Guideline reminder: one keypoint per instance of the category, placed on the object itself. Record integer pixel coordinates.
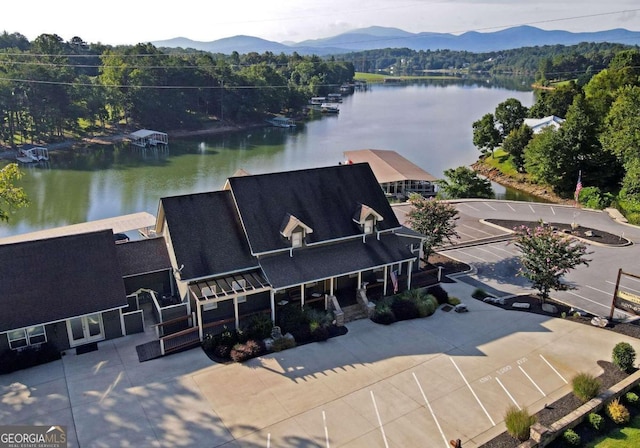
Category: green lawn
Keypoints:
(621, 437)
(375, 77)
(500, 161)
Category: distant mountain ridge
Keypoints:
(377, 37)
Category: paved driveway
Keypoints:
(415, 383)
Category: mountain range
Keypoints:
(376, 37)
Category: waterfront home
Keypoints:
(397, 176)
(537, 125)
(307, 237)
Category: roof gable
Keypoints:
(57, 278)
(143, 256)
(206, 234)
(324, 199)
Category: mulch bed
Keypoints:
(585, 233)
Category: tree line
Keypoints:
(598, 143)
(51, 89)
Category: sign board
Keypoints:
(628, 302)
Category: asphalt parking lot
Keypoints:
(415, 383)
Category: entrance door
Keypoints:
(85, 329)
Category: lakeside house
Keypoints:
(537, 125)
(315, 237)
(397, 176)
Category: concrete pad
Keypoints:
(20, 401)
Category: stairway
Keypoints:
(353, 312)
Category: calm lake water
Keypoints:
(428, 123)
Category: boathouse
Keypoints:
(146, 138)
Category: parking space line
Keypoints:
(512, 209)
(508, 394)
(532, 382)
(466, 234)
(490, 206)
(487, 251)
(384, 436)
(472, 391)
(609, 293)
(553, 368)
(589, 300)
(472, 208)
(626, 289)
(503, 250)
(431, 410)
(470, 255)
(552, 210)
(531, 207)
(326, 430)
(478, 230)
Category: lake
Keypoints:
(429, 123)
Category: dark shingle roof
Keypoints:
(143, 256)
(58, 278)
(206, 234)
(325, 199)
(332, 260)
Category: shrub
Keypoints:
(319, 332)
(432, 304)
(454, 301)
(439, 293)
(248, 350)
(518, 422)
(585, 386)
(283, 344)
(383, 314)
(291, 317)
(479, 294)
(404, 309)
(13, 360)
(259, 326)
(618, 412)
(571, 437)
(596, 421)
(222, 351)
(631, 398)
(624, 356)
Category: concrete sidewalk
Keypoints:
(413, 383)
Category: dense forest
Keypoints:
(51, 89)
(598, 143)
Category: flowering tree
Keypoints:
(546, 256)
(434, 219)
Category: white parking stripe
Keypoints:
(489, 205)
(446, 444)
(469, 255)
(609, 293)
(384, 436)
(553, 368)
(474, 394)
(552, 210)
(589, 300)
(466, 234)
(532, 382)
(326, 430)
(478, 230)
(472, 208)
(508, 394)
(509, 205)
(626, 289)
(531, 207)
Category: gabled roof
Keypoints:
(325, 199)
(538, 124)
(143, 256)
(389, 166)
(206, 234)
(58, 278)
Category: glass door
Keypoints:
(85, 329)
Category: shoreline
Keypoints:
(7, 153)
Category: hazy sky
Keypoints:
(133, 21)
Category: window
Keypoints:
(210, 306)
(296, 239)
(27, 336)
(239, 286)
(368, 226)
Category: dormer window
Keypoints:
(367, 218)
(294, 230)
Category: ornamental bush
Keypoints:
(518, 422)
(404, 309)
(585, 386)
(439, 293)
(596, 421)
(624, 356)
(571, 437)
(631, 398)
(383, 314)
(248, 350)
(618, 412)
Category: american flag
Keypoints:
(578, 185)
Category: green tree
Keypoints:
(554, 102)
(621, 135)
(462, 182)
(546, 256)
(510, 114)
(11, 197)
(486, 136)
(515, 145)
(436, 220)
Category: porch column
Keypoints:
(200, 323)
(331, 286)
(272, 295)
(409, 274)
(302, 296)
(171, 282)
(386, 274)
(235, 312)
(359, 280)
